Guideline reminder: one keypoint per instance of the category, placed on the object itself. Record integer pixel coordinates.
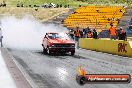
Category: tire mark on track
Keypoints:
(70, 63)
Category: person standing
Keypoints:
(81, 34)
(77, 34)
(71, 32)
(95, 34)
(122, 34)
(88, 29)
(1, 37)
(112, 32)
(89, 34)
(84, 33)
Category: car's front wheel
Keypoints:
(72, 53)
(48, 51)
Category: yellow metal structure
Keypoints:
(98, 17)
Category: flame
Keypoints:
(81, 71)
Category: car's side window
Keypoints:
(46, 36)
(50, 36)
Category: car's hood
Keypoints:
(61, 40)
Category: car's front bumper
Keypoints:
(62, 49)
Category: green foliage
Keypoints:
(72, 3)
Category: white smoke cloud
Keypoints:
(25, 33)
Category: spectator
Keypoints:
(1, 37)
(30, 5)
(68, 6)
(71, 33)
(118, 20)
(60, 5)
(97, 9)
(112, 32)
(89, 34)
(65, 6)
(57, 6)
(108, 19)
(80, 5)
(95, 35)
(22, 5)
(84, 33)
(112, 19)
(50, 5)
(36, 9)
(111, 23)
(18, 5)
(122, 35)
(77, 34)
(81, 34)
(120, 10)
(88, 29)
(4, 4)
(34, 5)
(62, 21)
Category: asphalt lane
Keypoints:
(60, 71)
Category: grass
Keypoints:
(41, 14)
(40, 2)
(72, 3)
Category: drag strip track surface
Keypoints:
(60, 71)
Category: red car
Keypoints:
(58, 43)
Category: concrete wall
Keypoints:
(123, 48)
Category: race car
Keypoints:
(58, 43)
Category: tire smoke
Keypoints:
(25, 33)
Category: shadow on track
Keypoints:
(62, 55)
(54, 54)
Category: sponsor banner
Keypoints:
(83, 78)
(103, 78)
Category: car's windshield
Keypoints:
(58, 35)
